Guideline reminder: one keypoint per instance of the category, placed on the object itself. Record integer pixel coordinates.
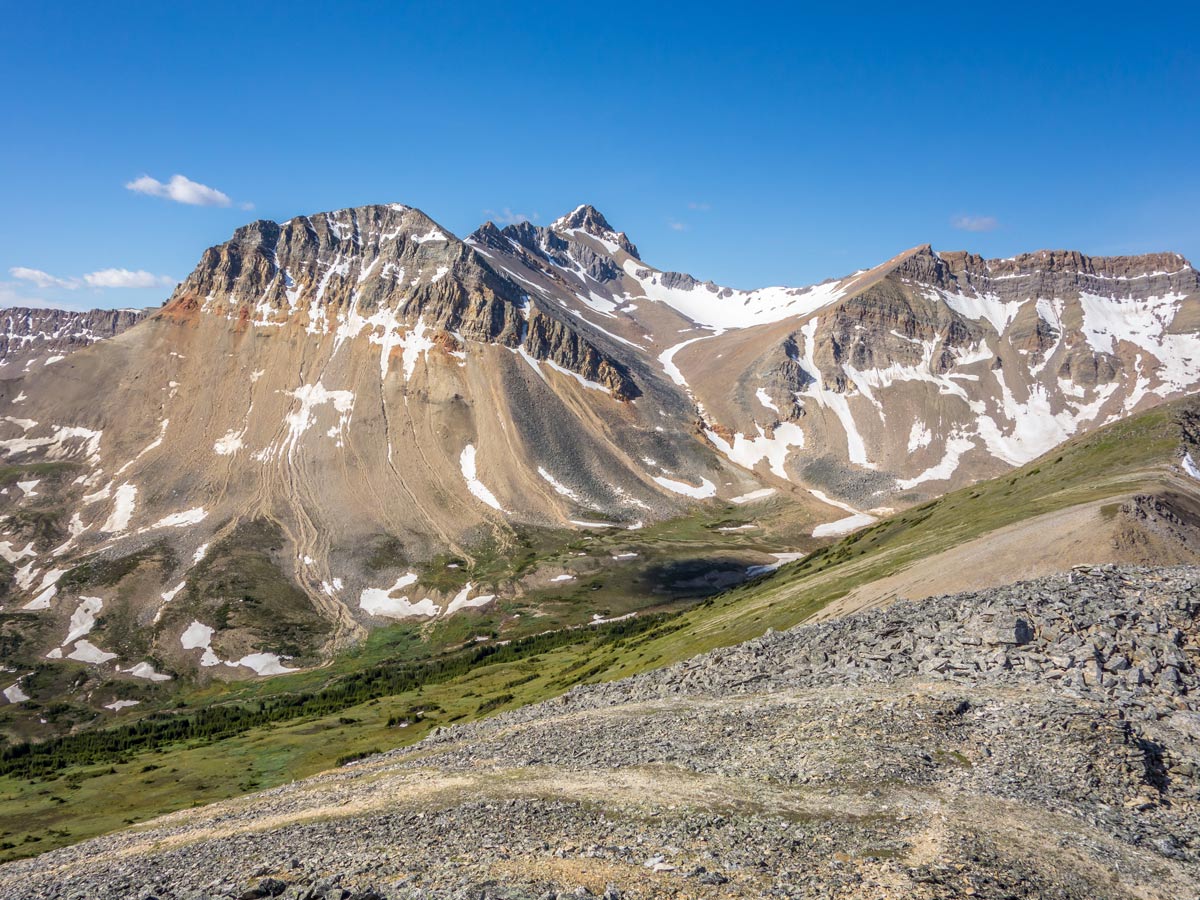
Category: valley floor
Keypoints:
(1036, 740)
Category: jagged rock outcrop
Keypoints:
(551, 339)
(30, 337)
(315, 270)
(589, 220)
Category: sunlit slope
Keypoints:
(374, 700)
(1136, 456)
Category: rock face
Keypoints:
(362, 378)
(1030, 741)
(375, 269)
(33, 337)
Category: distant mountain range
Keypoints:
(32, 337)
(346, 400)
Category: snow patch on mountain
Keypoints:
(558, 485)
(667, 359)
(856, 448)
(1036, 427)
(230, 443)
(187, 517)
(124, 501)
(956, 446)
(705, 489)
(47, 590)
(198, 636)
(765, 399)
(590, 385)
(982, 306)
(14, 693)
(8, 554)
(843, 526)
(464, 600)
(153, 445)
(1108, 321)
(146, 671)
(760, 494)
(1190, 466)
(57, 444)
(263, 664)
(310, 398)
(86, 651)
(380, 602)
(83, 620)
(466, 462)
(749, 452)
(725, 308)
(919, 436)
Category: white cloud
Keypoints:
(676, 225)
(699, 207)
(103, 278)
(181, 189)
(123, 278)
(975, 223)
(507, 217)
(43, 279)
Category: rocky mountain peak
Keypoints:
(586, 217)
(591, 221)
(1063, 262)
(922, 264)
(320, 271)
(362, 270)
(486, 231)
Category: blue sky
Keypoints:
(754, 144)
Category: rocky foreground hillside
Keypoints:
(1040, 740)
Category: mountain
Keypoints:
(33, 337)
(355, 418)
(892, 384)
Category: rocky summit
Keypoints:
(1038, 740)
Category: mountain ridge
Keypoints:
(33, 336)
(358, 379)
